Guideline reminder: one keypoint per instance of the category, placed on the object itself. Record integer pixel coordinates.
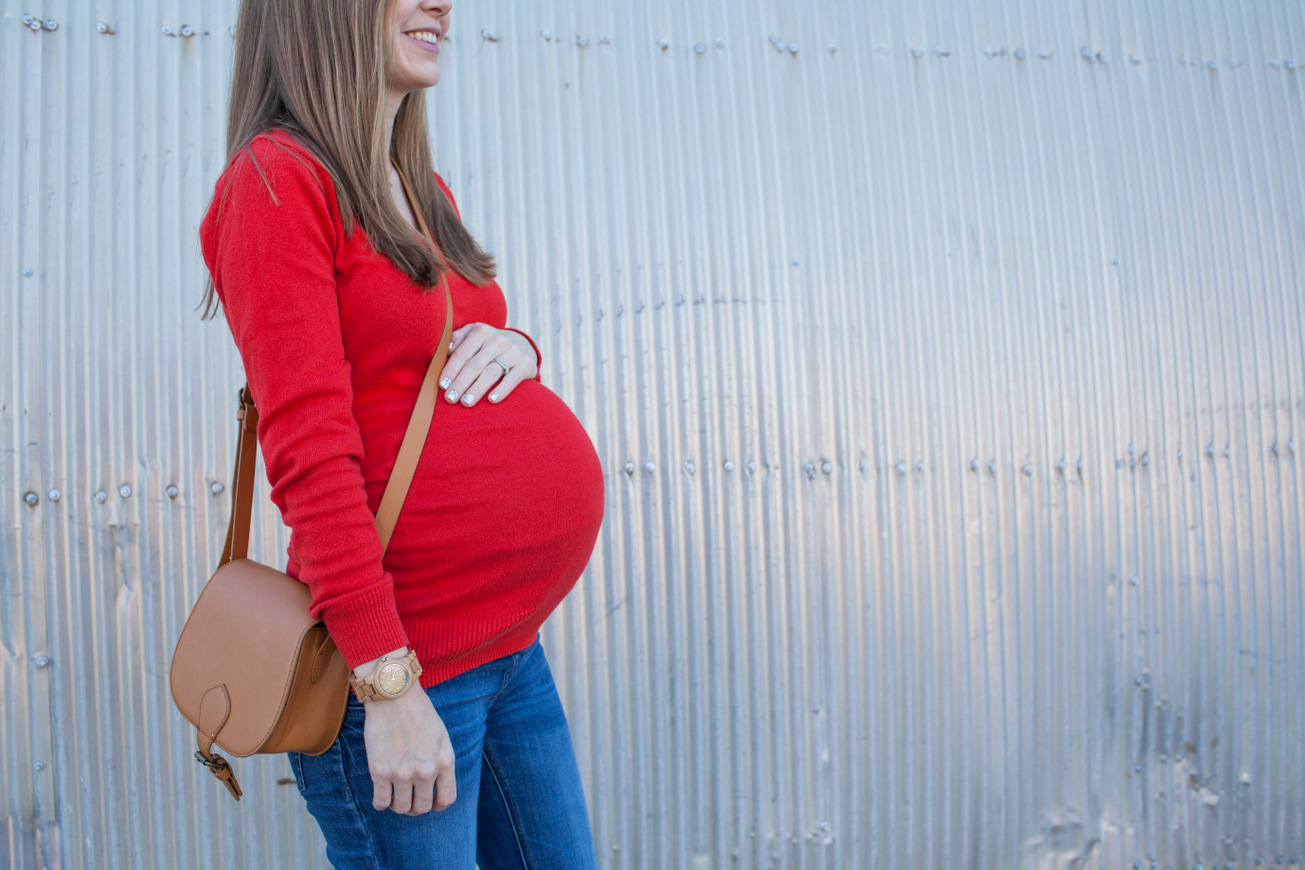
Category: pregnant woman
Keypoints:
(454, 749)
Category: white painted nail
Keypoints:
(451, 395)
(468, 399)
(444, 384)
(493, 397)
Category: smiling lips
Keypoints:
(429, 37)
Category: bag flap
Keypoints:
(244, 636)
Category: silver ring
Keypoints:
(504, 366)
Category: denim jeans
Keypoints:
(519, 805)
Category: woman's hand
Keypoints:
(486, 362)
(409, 754)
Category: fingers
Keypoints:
(472, 371)
(384, 793)
(446, 785)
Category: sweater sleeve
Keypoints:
(272, 256)
(539, 355)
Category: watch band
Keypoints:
(366, 688)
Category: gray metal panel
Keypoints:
(955, 350)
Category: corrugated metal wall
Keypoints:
(944, 358)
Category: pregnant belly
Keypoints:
(504, 496)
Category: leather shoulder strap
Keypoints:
(405, 466)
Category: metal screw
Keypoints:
(1227, 454)
(172, 491)
(629, 468)
(582, 41)
(792, 48)
(810, 469)
(1134, 59)
(690, 468)
(1209, 451)
(1132, 451)
(39, 766)
(729, 465)
(752, 467)
(604, 39)
(216, 487)
(797, 263)
(1060, 465)
(1086, 53)
(865, 467)
(720, 42)
(1132, 581)
(1027, 469)
(831, 48)
(827, 468)
(1043, 54)
(992, 468)
(124, 491)
(166, 30)
(42, 661)
(101, 496)
(901, 468)
(700, 48)
(34, 24)
(27, 20)
(51, 24)
(1146, 459)
(824, 826)
(1212, 64)
(32, 499)
(1182, 60)
(882, 49)
(1019, 54)
(916, 52)
(1180, 456)
(1079, 465)
(1291, 446)
(486, 35)
(974, 465)
(232, 30)
(102, 27)
(663, 44)
(919, 466)
(940, 51)
(54, 495)
(546, 35)
(27, 273)
(1102, 57)
(817, 709)
(1291, 64)
(187, 30)
(650, 466)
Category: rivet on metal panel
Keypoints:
(865, 466)
(650, 466)
(992, 468)
(629, 468)
(882, 49)
(1115, 261)
(1209, 451)
(1132, 581)
(604, 39)
(827, 468)
(817, 709)
(167, 31)
(39, 766)
(34, 24)
(700, 48)
(42, 661)
(1027, 469)
(1227, 454)
(1043, 54)
(1180, 456)
(105, 28)
(797, 263)
(1086, 53)
(1137, 681)
(792, 48)
(690, 469)
(1078, 466)
(232, 30)
(941, 52)
(27, 273)
(1146, 459)
(582, 41)
(216, 487)
(1019, 54)
(663, 44)
(901, 468)
(824, 826)
(831, 48)
(488, 35)
(1132, 463)
(1061, 465)
(1273, 64)
(1182, 60)
(720, 42)
(729, 464)
(31, 498)
(916, 52)
(752, 468)
(1137, 768)
(172, 491)
(1134, 59)
(101, 496)
(1137, 865)
(810, 469)
(1132, 451)
(27, 19)
(919, 466)
(546, 35)
(1276, 451)
(1119, 463)
(974, 465)
(51, 24)
(124, 491)
(54, 495)
(1102, 57)
(187, 31)
(1291, 446)
(1290, 63)
(1212, 64)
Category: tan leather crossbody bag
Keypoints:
(252, 671)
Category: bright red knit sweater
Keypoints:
(507, 499)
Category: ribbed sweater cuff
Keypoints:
(539, 356)
(365, 625)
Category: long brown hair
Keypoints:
(316, 69)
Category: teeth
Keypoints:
(424, 36)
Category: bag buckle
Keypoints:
(217, 765)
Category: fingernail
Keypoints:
(451, 395)
(444, 384)
(468, 399)
(493, 397)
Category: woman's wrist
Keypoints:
(364, 670)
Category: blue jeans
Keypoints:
(520, 804)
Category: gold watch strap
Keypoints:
(366, 689)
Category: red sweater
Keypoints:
(507, 499)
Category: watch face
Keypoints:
(392, 679)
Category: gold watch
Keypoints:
(390, 680)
